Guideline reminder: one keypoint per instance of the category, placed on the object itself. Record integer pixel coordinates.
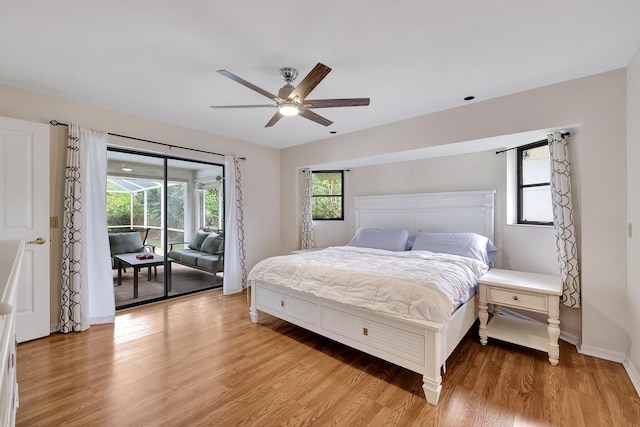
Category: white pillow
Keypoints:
(378, 238)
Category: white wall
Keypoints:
(633, 214)
(596, 103)
(260, 172)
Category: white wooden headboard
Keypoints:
(463, 211)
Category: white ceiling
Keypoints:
(158, 59)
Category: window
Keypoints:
(534, 184)
(328, 200)
(210, 204)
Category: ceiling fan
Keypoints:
(291, 100)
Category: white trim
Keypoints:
(601, 353)
(633, 374)
(570, 338)
(102, 320)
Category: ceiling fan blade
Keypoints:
(329, 103)
(277, 116)
(314, 117)
(244, 106)
(250, 85)
(309, 82)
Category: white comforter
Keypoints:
(413, 284)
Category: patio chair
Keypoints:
(130, 241)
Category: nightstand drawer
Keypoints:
(517, 299)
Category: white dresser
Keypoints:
(10, 260)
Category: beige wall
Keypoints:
(633, 213)
(260, 172)
(596, 104)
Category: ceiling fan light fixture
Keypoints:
(291, 101)
(288, 109)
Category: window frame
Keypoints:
(341, 195)
(521, 186)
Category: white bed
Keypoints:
(418, 345)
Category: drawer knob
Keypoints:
(515, 297)
(282, 303)
(365, 331)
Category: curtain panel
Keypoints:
(567, 248)
(235, 269)
(307, 213)
(87, 295)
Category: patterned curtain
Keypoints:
(235, 269)
(71, 314)
(86, 282)
(563, 219)
(307, 214)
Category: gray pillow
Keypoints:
(212, 243)
(378, 238)
(196, 241)
(125, 243)
(470, 245)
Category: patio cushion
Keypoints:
(191, 257)
(212, 243)
(197, 239)
(210, 263)
(125, 243)
(177, 253)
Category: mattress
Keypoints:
(411, 284)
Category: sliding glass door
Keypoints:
(160, 212)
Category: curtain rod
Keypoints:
(57, 123)
(542, 140)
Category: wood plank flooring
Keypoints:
(199, 361)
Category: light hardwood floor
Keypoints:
(199, 361)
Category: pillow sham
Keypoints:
(378, 238)
(470, 245)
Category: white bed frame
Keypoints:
(420, 346)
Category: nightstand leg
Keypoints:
(554, 333)
(484, 317)
(553, 330)
(496, 310)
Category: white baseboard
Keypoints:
(102, 320)
(53, 327)
(570, 338)
(633, 374)
(602, 353)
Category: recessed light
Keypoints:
(469, 98)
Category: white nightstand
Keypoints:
(526, 291)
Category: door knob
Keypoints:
(38, 241)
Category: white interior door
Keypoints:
(24, 214)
